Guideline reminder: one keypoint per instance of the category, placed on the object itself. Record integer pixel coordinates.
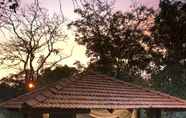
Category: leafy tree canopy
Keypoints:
(52, 75)
(169, 34)
(170, 31)
(115, 41)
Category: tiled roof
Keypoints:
(95, 91)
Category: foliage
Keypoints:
(10, 91)
(171, 80)
(12, 87)
(169, 33)
(60, 72)
(33, 38)
(114, 40)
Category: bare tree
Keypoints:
(34, 41)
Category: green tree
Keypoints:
(114, 40)
(60, 72)
(8, 91)
(169, 34)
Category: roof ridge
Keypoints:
(154, 91)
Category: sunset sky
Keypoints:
(67, 7)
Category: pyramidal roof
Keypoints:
(94, 91)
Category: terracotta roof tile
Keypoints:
(95, 91)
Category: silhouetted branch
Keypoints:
(34, 35)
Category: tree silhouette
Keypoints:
(60, 72)
(33, 41)
(6, 8)
(114, 40)
(169, 33)
(8, 5)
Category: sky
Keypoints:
(68, 8)
(67, 5)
